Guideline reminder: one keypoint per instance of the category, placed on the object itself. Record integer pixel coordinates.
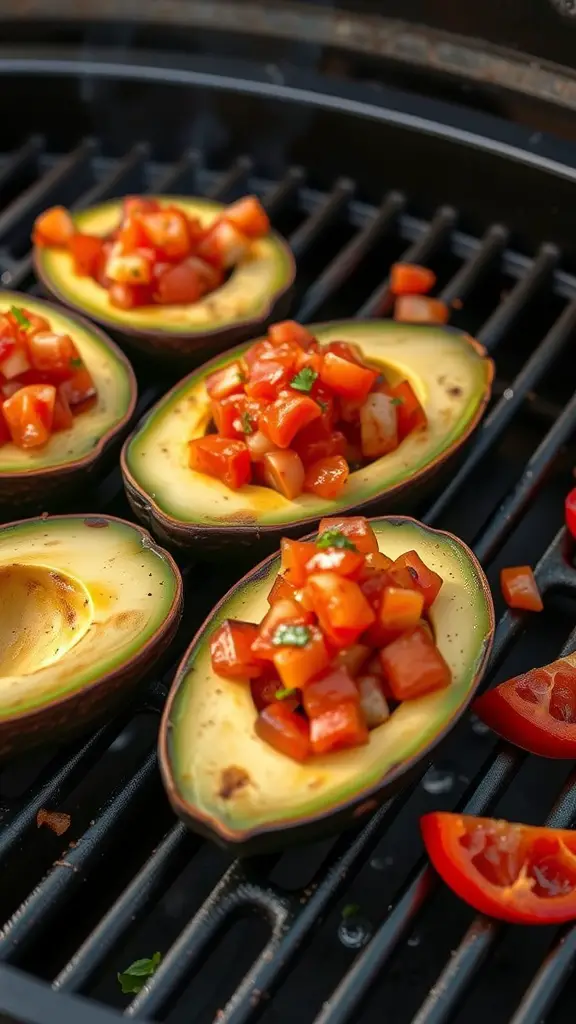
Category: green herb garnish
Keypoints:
(76, 363)
(288, 635)
(335, 539)
(304, 379)
(397, 401)
(323, 405)
(247, 427)
(284, 693)
(350, 910)
(20, 317)
(241, 376)
(134, 978)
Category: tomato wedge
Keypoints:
(536, 710)
(517, 873)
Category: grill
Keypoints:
(355, 928)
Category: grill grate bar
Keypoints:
(344, 264)
(548, 981)
(181, 175)
(32, 917)
(127, 909)
(21, 159)
(281, 194)
(498, 419)
(322, 217)
(422, 249)
(490, 248)
(527, 288)
(228, 184)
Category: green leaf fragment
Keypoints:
(133, 979)
(304, 379)
(288, 635)
(284, 693)
(20, 317)
(335, 539)
(247, 427)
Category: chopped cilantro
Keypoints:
(335, 539)
(134, 977)
(397, 401)
(285, 692)
(20, 317)
(288, 635)
(323, 405)
(241, 375)
(76, 363)
(247, 427)
(304, 379)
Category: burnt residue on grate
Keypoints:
(354, 928)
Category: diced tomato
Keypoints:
(86, 252)
(79, 388)
(353, 658)
(426, 580)
(284, 730)
(373, 703)
(284, 472)
(53, 227)
(356, 528)
(249, 216)
(317, 441)
(286, 416)
(409, 412)
(342, 610)
(290, 332)
(139, 204)
(378, 426)
(400, 609)
(570, 512)
(224, 382)
(228, 416)
(327, 691)
(28, 414)
(341, 727)
(297, 665)
(536, 710)
(129, 296)
(413, 665)
(55, 354)
(36, 324)
(295, 556)
(411, 279)
(418, 309)
(346, 378)
(62, 418)
(267, 378)
(522, 874)
(327, 477)
(345, 350)
(133, 268)
(181, 284)
(168, 232)
(14, 363)
(132, 235)
(223, 245)
(231, 650)
(376, 562)
(264, 689)
(281, 589)
(282, 612)
(5, 435)
(340, 560)
(520, 589)
(227, 460)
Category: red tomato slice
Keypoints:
(517, 873)
(520, 589)
(227, 460)
(231, 650)
(53, 227)
(411, 279)
(536, 710)
(418, 309)
(29, 413)
(249, 216)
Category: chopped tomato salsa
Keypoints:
(44, 383)
(307, 415)
(158, 255)
(345, 640)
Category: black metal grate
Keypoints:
(71, 914)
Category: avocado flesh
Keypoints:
(114, 386)
(208, 737)
(247, 293)
(448, 373)
(79, 598)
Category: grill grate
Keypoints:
(477, 269)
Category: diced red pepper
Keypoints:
(295, 556)
(346, 378)
(249, 216)
(86, 252)
(410, 414)
(411, 279)
(225, 459)
(413, 665)
(283, 472)
(333, 687)
(400, 609)
(426, 580)
(231, 650)
(297, 665)
(419, 309)
(227, 381)
(284, 730)
(520, 589)
(327, 477)
(356, 528)
(341, 727)
(342, 610)
(29, 413)
(286, 416)
(53, 227)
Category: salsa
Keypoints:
(44, 382)
(347, 638)
(298, 417)
(158, 255)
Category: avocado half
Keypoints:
(449, 371)
(226, 783)
(87, 606)
(256, 291)
(35, 475)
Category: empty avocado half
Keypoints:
(449, 372)
(228, 784)
(252, 295)
(87, 606)
(36, 475)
